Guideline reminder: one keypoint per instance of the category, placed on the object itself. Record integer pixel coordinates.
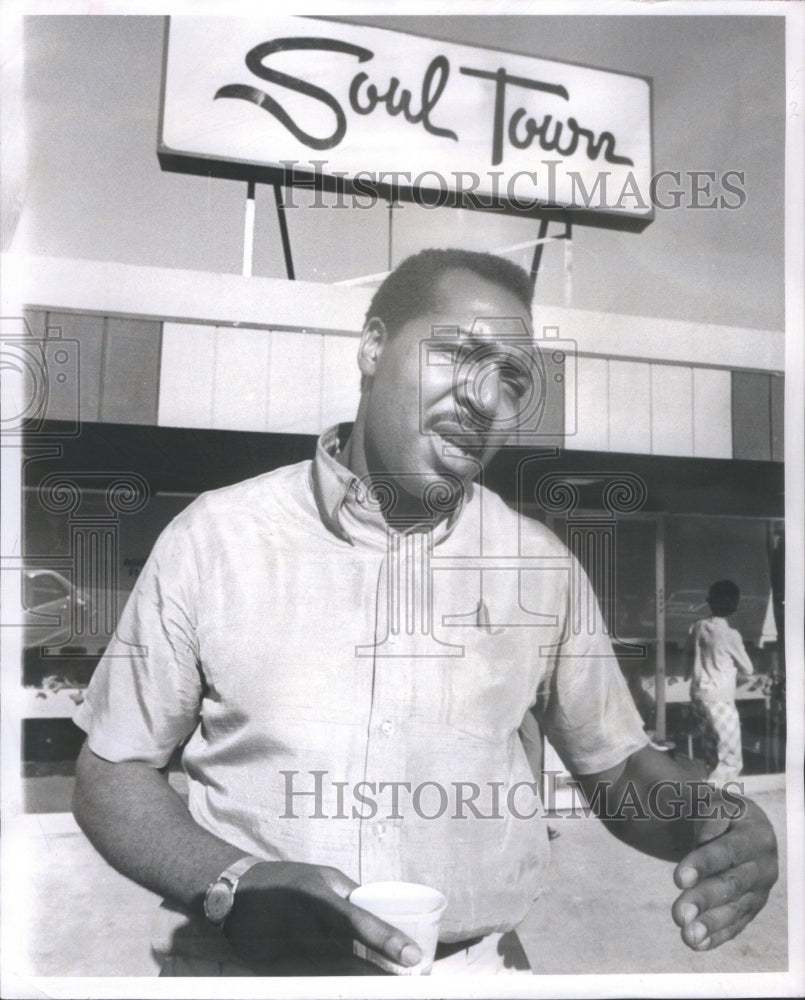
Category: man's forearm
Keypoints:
(142, 827)
(650, 802)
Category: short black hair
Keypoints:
(723, 597)
(408, 290)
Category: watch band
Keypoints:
(220, 895)
(235, 872)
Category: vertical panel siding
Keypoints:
(241, 384)
(294, 399)
(629, 407)
(712, 413)
(570, 416)
(591, 400)
(671, 410)
(83, 348)
(559, 367)
(777, 417)
(36, 320)
(340, 390)
(247, 379)
(751, 416)
(187, 375)
(33, 403)
(130, 373)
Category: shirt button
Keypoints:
(387, 728)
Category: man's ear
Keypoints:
(373, 340)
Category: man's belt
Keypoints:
(444, 949)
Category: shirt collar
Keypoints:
(340, 498)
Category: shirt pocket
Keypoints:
(490, 687)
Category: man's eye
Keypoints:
(515, 377)
(518, 387)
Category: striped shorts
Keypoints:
(721, 732)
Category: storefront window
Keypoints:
(675, 559)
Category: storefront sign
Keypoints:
(371, 111)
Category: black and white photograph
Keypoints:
(403, 491)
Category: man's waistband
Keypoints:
(444, 949)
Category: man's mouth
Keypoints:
(470, 445)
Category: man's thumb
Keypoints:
(709, 829)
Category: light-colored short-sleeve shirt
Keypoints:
(718, 652)
(351, 695)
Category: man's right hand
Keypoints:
(289, 908)
(142, 827)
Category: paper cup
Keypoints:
(414, 909)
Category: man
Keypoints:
(335, 638)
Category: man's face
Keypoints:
(443, 410)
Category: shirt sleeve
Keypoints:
(689, 652)
(144, 697)
(690, 641)
(739, 654)
(584, 703)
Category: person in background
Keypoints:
(715, 653)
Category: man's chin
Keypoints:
(432, 493)
(445, 492)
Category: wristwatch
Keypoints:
(220, 896)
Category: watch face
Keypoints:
(218, 902)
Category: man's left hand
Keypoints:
(726, 879)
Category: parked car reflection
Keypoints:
(57, 613)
